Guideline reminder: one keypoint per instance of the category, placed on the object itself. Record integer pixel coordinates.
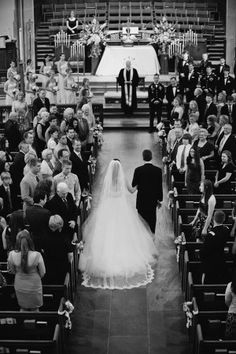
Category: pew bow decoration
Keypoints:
(189, 313)
(93, 163)
(68, 309)
(179, 241)
(80, 247)
(97, 133)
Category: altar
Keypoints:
(143, 58)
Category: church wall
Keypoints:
(230, 32)
(8, 18)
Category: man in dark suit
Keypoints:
(37, 217)
(227, 142)
(41, 101)
(209, 81)
(63, 204)
(210, 109)
(7, 193)
(17, 167)
(226, 82)
(80, 165)
(212, 252)
(183, 69)
(147, 180)
(156, 93)
(12, 131)
(203, 64)
(190, 82)
(219, 70)
(172, 91)
(201, 102)
(83, 129)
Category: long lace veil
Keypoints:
(114, 181)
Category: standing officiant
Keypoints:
(128, 79)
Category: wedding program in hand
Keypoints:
(119, 248)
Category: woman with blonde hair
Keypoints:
(28, 267)
(89, 116)
(47, 167)
(68, 114)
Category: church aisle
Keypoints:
(143, 320)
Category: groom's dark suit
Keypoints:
(148, 179)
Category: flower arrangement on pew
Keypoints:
(94, 35)
(179, 241)
(87, 199)
(68, 309)
(189, 312)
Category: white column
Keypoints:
(230, 32)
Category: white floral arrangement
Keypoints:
(35, 88)
(17, 77)
(189, 312)
(164, 32)
(75, 86)
(93, 34)
(97, 133)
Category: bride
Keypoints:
(118, 250)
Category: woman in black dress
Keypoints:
(202, 221)
(58, 252)
(224, 175)
(72, 24)
(195, 171)
(205, 148)
(40, 130)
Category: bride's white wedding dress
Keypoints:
(119, 249)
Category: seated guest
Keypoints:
(221, 105)
(62, 144)
(210, 109)
(47, 167)
(209, 81)
(219, 70)
(230, 301)
(28, 267)
(37, 217)
(63, 154)
(40, 102)
(212, 128)
(199, 97)
(194, 174)
(63, 204)
(171, 137)
(224, 175)
(53, 134)
(172, 152)
(70, 179)
(180, 166)
(68, 114)
(12, 131)
(193, 108)
(80, 165)
(172, 91)
(177, 110)
(83, 99)
(40, 131)
(83, 129)
(29, 183)
(58, 252)
(190, 82)
(206, 149)
(203, 218)
(8, 195)
(226, 82)
(17, 168)
(227, 142)
(52, 122)
(192, 123)
(204, 64)
(212, 252)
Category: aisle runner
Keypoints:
(143, 58)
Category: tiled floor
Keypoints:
(146, 320)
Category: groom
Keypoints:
(148, 181)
